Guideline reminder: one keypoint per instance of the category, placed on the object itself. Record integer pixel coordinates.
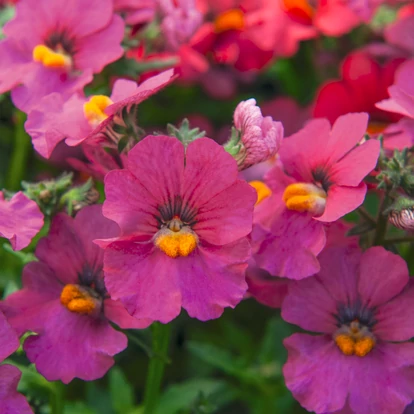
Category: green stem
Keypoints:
(58, 398)
(382, 223)
(160, 341)
(392, 240)
(364, 213)
(21, 151)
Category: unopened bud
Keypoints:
(401, 214)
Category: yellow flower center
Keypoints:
(51, 58)
(305, 197)
(176, 239)
(263, 191)
(229, 20)
(95, 107)
(354, 340)
(78, 299)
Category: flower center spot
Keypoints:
(51, 58)
(305, 197)
(354, 339)
(176, 239)
(95, 107)
(78, 300)
(229, 20)
(263, 191)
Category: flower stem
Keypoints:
(20, 154)
(58, 398)
(382, 223)
(160, 341)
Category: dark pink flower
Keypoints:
(20, 218)
(53, 43)
(321, 180)
(9, 342)
(360, 304)
(184, 217)
(78, 118)
(364, 82)
(402, 92)
(64, 301)
(259, 137)
(11, 402)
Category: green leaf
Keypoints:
(78, 407)
(190, 394)
(98, 399)
(122, 393)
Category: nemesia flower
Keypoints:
(184, 217)
(361, 361)
(10, 400)
(266, 289)
(321, 181)
(238, 35)
(179, 22)
(364, 83)
(401, 93)
(136, 11)
(259, 137)
(78, 118)
(20, 218)
(57, 45)
(401, 32)
(64, 301)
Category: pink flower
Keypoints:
(184, 217)
(259, 137)
(136, 11)
(64, 301)
(266, 289)
(52, 43)
(321, 181)
(20, 220)
(79, 118)
(360, 304)
(402, 92)
(364, 82)
(10, 400)
(401, 32)
(238, 35)
(180, 21)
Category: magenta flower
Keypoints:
(64, 301)
(11, 402)
(259, 137)
(180, 21)
(360, 304)
(402, 92)
(136, 11)
(321, 181)
(51, 44)
(184, 217)
(20, 218)
(78, 118)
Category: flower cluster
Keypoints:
(277, 203)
